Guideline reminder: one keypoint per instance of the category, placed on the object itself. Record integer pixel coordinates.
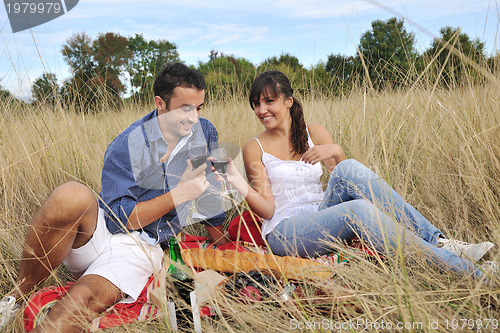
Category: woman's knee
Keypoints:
(354, 171)
(361, 209)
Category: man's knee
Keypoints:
(73, 193)
(89, 296)
(70, 201)
(94, 295)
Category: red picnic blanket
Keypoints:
(245, 233)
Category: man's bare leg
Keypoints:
(90, 295)
(67, 219)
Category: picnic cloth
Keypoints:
(244, 231)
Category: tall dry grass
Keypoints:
(440, 149)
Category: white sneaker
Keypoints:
(472, 252)
(490, 272)
(8, 310)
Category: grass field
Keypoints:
(440, 149)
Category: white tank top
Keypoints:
(296, 187)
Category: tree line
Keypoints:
(386, 57)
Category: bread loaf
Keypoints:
(230, 261)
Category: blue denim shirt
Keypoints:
(132, 172)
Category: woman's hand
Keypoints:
(320, 153)
(233, 177)
(324, 150)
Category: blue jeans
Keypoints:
(358, 203)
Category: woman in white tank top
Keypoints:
(283, 167)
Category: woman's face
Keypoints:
(273, 111)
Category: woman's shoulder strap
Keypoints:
(260, 145)
(309, 139)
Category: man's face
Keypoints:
(183, 112)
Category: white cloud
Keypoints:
(318, 9)
(225, 33)
(416, 9)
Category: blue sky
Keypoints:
(256, 29)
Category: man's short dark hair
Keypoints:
(175, 75)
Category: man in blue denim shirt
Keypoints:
(148, 186)
(134, 173)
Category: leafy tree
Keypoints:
(494, 64)
(110, 53)
(286, 59)
(82, 89)
(4, 94)
(97, 67)
(389, 52)
(9, 102)
(343, 71)
(451, 64)
(45, 88)
(147, 59)
(78, 53)
(340, 66)
(291, 67)
(227, 74)
(319, 80)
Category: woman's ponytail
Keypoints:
(298, 130)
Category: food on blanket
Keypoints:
(250, 294)
(251, 287)
(232, 261)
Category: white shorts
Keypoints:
(125, 260)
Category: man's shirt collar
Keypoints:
(153, 131)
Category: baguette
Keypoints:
(230, 261)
